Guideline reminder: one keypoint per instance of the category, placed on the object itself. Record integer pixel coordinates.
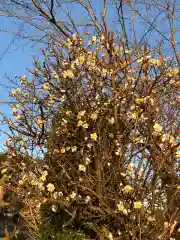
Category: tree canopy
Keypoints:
(95, 131)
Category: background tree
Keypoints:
(99, 147)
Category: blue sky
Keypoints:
(16, 54)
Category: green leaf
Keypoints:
(3, 204)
